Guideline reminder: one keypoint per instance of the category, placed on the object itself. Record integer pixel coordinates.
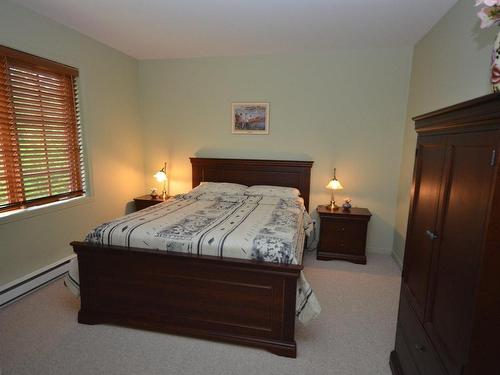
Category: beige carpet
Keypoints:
(353, 336)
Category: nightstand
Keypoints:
(343, 234)
(146, 201)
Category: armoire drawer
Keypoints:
(417, 341)
(406, 363)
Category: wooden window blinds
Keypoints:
(40, 136)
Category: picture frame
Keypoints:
(250, 118)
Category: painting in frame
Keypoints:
(250, 118)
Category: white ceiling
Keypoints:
(153, 29)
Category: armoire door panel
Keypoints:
(427, 182)
(460, 233)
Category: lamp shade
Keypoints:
(160, 176)
(334, 184)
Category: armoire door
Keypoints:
(428, 175)
(470, 167)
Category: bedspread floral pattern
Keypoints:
(97, 234)
(268, 246)
(271, 249)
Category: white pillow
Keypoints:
(220, 187)
(273, 191)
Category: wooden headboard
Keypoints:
(250, 172)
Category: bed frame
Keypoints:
(225, 299)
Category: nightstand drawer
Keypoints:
(140, 205)
(342, 235)
(146, 201)
(337, 226)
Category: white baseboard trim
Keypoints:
(25, 285)
(397, 259)
(377, 250)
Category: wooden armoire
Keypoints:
(449, 312)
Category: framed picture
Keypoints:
(250, 118)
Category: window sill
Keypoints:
(26, 213)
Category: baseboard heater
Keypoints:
(25, 285)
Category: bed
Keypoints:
(243, 301)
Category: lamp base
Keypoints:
(332, 206)
(164, 195)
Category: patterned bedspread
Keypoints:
(256, 227)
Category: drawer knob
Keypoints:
(419, 348)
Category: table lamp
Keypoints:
(333, 185)
(161, 176)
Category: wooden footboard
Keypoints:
(240, 301)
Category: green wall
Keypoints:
(343, 109)
(111, 131)
(450, 65)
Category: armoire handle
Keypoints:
(431, 234)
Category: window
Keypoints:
(40, 137)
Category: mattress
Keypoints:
(263, 228)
